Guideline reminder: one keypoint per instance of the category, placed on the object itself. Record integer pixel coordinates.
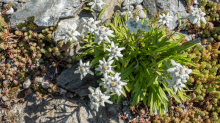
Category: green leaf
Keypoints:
(167, 64)
(126, 87)
(87, 8)
(103, 10)
(127, 71)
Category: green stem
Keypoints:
(90, 36)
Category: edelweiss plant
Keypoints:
(145, 27)
(89, 25)
(71, 33)
(165, 19)
(115, 52)
(179, 75)
(133, 25)
(196, 16)
(83, 69)
(96, 4)
(102, 33)
(105, 67)
(97, 98)
(113, 84)
(141, 60)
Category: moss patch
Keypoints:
(29, 24)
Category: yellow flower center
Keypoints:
(134, 23)
(89, 23)
(96, 99)
(105, 67)
(102, 29)
(82, 68)
(113, 50)
(112, 84)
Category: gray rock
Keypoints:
(45, 84)
(15, 5)
(150, 6)
(13, 68)
(72, 82)
(6, 81)
(127, 113)
(46, 13)
(4, 6)
(125, 102)
(45, 81)
(6, 1)
(125, 3)
(63, 91)
(138, 2)
(125, 8)
(59, 109)
(139, 7)
(39, 79)
(51, 70)
(27, 83)
(197, 40)
(174, 6)
(188, 37)
(113, 6)
(113, 109)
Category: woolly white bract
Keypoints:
(133, 25)
(97, 98)
(71, 33)
(89, 25)
(115, 52)
(179, 75)
(83, 69)
(145, 27)
(105, 67)
(196, 15)
(114, 84)
(165, 19)
(102, 33)
(96, 4)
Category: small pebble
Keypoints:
(62, 90)
(45, 84)
(139, 7)
(142, 14)
(39, 79)
(4, 98)
(27, 83)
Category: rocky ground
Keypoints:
(62, 108)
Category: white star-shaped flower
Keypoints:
(71, 33)
(179, 75)
(133, 25)
(83, 69)
(196, 15)
(89, 25)
(176, 84)
(97, 98)
(179, 71)
(114, 84)
(128, 13)
(96, 4)
(165, 19)
(145, 27)
(115, 52)
(102, 33)
(105, 67)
